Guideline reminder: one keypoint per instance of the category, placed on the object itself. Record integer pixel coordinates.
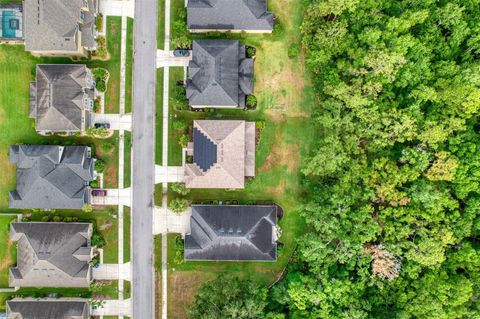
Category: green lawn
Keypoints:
(17, 69)
(128, 159)
(114, 39)
(8, 251)
(161, 24)
(285, 99)
(129, 67)
(126, 234)
(159, 117)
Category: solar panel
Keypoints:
(204, 151)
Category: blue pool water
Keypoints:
(10, 24)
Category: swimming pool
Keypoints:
(10, 24)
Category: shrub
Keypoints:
(260, 125)
(87, 208)
(94, 183)
(68, 219)
(294, 50)
(183, 141)
(178, 205)
(179, 188)
(101, 51)
(57, 218)
(100, 165)
(99, 22)
(179, 251)
(251, 51)
(178, 99)
(251, 101)
(97, 104)
(100, 74)
(178, 124)
(101, 86)
(107, 147)
(97, 241)
(45, 218)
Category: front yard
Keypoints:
(17, 69)
(285, 100)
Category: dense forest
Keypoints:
(393, 208)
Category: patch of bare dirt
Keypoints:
(282, 154)
(7, 259)
(110, 176)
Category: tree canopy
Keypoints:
(394, 201)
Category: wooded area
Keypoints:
(393, 193)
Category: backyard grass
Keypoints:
(8, 251)
(285, 100)
(129, 67)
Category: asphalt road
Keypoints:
(144, 78)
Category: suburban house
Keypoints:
(223, 154)
(61, 98)
(51, 176)
(59, 27)
(232, 233)
(63, 308)
(219, 75)
(11, 19)
(51, 254)
(229, 15)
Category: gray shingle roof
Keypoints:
(62, 94)
(51, 254)
(50, 176)
(232, 233)
(229, 15)
(219, 74)
(53, 25)
(71, 308)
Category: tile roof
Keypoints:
(232, 233)
(221, 150)
(51, 254)
(232, 15)
(50, 176)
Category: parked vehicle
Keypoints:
(181, 53)
(102, 125)
(99, 192)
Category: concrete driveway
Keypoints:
(114, 308)
(170, 174)
(112, 272)
(172, 222)
(117, 8)
(116, 121)
(167, 59)
(114, 197)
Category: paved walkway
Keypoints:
(114, 197)
(169, 174)
(166, 221)
(166, 75)
(112, 272)
(117, 8)
(167, 59)
(117, 122)
(114, 308)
